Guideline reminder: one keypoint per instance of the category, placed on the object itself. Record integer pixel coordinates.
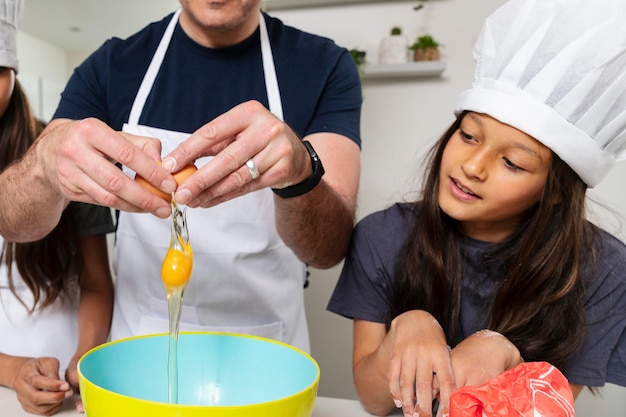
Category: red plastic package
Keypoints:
(531, 389)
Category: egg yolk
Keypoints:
(176, 268)
(180, 176)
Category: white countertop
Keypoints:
(324, 407)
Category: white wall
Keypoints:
(43, 73)
(400, 120)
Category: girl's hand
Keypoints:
(420, 366)
(38, 387)
(71, 376)
(483, 356)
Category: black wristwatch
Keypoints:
(308, 184)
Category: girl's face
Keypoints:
(491, 173)
(7, 82)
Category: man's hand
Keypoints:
(77, 159)
(248, 131)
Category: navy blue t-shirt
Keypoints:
(365, 290)
(318, 81)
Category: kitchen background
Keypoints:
(402, 115)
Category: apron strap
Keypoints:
(271, 81)
(153, 70)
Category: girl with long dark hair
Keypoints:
(56, 294)
(495, 263)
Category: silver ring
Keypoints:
(252, 169)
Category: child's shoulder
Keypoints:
(610, 257)
(400, 214)
(384, 231)
(610, 245)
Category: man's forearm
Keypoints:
(29, 207)
(316, 226)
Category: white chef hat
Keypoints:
(556, 70)
(10, 15)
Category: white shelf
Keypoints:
(297, 4)
(409, 70)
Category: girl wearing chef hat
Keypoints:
(496, 261)
(55, 294)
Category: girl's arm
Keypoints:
(370, 366)
(404, 367)
(96, 300)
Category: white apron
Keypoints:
(245, 279)
(52, 331)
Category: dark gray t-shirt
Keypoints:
(90, 219)
(364, 292)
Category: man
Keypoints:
(212, 69)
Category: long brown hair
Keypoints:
(47, 267)
(539, 303)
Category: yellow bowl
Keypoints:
(219, 374)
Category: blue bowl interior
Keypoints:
(213, 369)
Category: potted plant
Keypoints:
(425, 48)
(359, 58)
(393, 48)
